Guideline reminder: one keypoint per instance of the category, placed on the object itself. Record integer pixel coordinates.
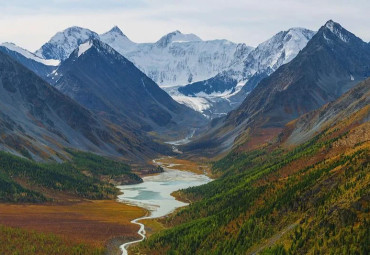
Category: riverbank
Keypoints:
(184, 165)
(155, 194)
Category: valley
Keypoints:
(186, 146)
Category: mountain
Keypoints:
(61, 45)
(102, 80)
(176, 58)
(306, 197)
(42, 67)
(248, 68)
(39, 122)
(333, 61)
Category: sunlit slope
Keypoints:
(310, 196)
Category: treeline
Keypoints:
(319, 190)
(21, 178)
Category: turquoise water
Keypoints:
(154, 193)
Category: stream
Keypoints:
(154, 194)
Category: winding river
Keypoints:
(154, 194)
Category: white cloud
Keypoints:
(31, 23)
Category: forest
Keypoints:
(312, 198)
(22, 180)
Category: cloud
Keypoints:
(31, 23)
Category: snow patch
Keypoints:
(197, 103)
(336, 31)
(29, 55)
(84, 47)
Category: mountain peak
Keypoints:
(177, 36)
(330, 24)
(116, 30)
(332, 28)
(63, 43)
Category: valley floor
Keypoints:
(94, 223)
(78, 226)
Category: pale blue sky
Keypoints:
(31, 23)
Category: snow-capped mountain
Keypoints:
(61, 45)
(246, 70)
(278, 50)
(176, 58)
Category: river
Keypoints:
(154, 194)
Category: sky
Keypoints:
(31, 23)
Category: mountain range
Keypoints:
(175, 59)
(211, 77)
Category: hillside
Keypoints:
(333, 61)
(310, 197)
(86, 176)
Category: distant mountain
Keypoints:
(42, 67)
(61, 45)
(38, 121)
(333, 61)
(248, 68)
(101, 79)
(175, 59)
